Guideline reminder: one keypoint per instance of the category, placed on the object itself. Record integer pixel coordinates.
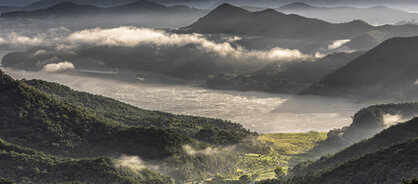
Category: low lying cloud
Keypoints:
(24, 40)
(207, 151)
(131, 162)
(134, 163)
(2, 41)
(21, 40)
(337, 44)
(40, 53)
(389, 119)
(52, 36)
(56, 67)
(133, 36)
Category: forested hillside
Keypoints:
(70, 126)
(33, 119)
(213, 131)
(389, 165)
(390, 136)
(24, 165)
(367, 122)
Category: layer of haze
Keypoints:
(261, 112)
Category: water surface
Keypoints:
(258, 111)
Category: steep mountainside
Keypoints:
(387, 71)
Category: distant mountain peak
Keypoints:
(225, 7)
(358, 22)
(270, 11)
(297, 5)
(143, 4)
(226, 10)
(69, 5)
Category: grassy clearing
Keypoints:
(287, 150)
(291, 146)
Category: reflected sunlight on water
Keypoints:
(258, 111)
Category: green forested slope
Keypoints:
(24, 165)
(367, 122)
(70, 126)
(390, 136)
(386, 166)
(213, 131)
(32, 119)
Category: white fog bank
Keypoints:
(261, 112)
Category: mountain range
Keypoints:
(137, 13)
(376, 15)
(280, 77)
(31, 5)
(269, 28)
(74, 9)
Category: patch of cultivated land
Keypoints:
(287, 149)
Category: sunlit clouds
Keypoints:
(132, 36)
(337, 44)
(56, 67)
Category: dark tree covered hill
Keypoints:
(212, 131)
(61, 122)
(387, 158)
(390, 136)
(24, 165)
(33, 119)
